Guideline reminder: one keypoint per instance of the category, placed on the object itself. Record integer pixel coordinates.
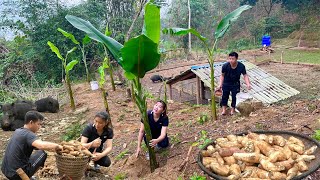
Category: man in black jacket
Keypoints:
(230, 81)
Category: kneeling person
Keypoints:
(18, 153)
(158, 121)
(97, 137)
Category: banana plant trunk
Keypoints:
(213, 102)
(153, 160)
(165, 92)
(87, 71)
(85, 65)
(105, 100)
(142, 105)
(73, 107)
(111, 77)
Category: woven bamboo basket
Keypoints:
(73, 167)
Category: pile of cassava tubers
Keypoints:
(258, 156)
(73, 149)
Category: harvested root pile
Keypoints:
(258, 156)
(74, 149)
(48, 171)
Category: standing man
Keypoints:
(21, 145)
(230, 81)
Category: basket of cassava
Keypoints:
(261, 155)
(72, 160)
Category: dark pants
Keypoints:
(104, 161)
(36, 161)
(163, 144)
(226, 89)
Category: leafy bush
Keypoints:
(240, 44)
(316, 135)
(5, 97)
(203, 140)
(73, 132)
(203, 118)
(195, 176)
(120, 176)
(122, 154)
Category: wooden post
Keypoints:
(255, 57)
(201, 91)
(192, 89)
(281, 60)
(198, 90)
(299, 58)
(269, 55)
(170, 92)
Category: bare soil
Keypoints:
(299, 114)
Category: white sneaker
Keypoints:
(96, 167)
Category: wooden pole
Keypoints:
(189, 26)
(281, 60)
(269, 55)
(201, 91)
(198, 89)
(192, 89)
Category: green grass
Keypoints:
(195, 176)
(301, 56)
(120, 176)
(316, 135)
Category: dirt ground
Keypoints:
(299, 114)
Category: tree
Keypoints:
(266, 4)
(140, 5)
(189, 26)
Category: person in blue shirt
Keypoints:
(230, 81)
(158, 121)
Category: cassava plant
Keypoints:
(67, 68)
(220, 31)
(137, 56)
(85, 41)
(102, 81)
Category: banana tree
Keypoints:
(220, 31)
(85, 41)
(102, 81)
(137, 56)
(67, 68)
(107, 60)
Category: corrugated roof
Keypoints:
(265, 87)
